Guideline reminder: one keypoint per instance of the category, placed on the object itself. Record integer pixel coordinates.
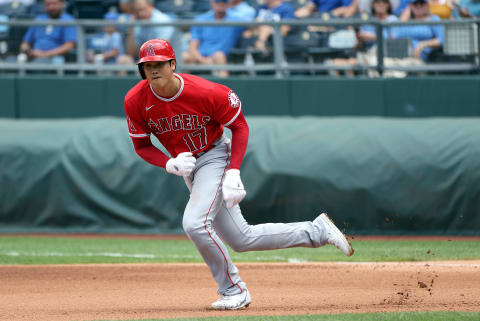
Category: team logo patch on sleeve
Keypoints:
(233, 99)
(130, 125)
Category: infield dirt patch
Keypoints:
(142, 291)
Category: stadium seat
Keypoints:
(88, 9)
(15, 10)
(201, 6)
(297, 44)
(242, 54)
(177, 8)
(37, 8)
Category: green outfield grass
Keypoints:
(403, 316)
(66, 250)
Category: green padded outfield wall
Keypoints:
(375, 175)
(7, 100)
(72, 97)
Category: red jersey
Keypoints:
(190, 121)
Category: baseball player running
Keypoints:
(188, 115)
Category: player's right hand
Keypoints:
(182, 165)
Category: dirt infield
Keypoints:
(142, 291)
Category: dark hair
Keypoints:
(414, 2)
(141, 71)
(389, 10)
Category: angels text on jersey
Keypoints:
(195, 139)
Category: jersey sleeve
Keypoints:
(136, 126)
(227, 105)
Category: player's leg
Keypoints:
(204, 204)
(236, 232)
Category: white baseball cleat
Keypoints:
(334, 236)
(233, 302)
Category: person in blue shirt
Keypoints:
(425, 38)
(50, 43)
(338, 8)
(112, 42)
(272, 10)
(212, 44)
(366, 49)
(242, 9)
(144, 10)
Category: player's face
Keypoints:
(159, 73)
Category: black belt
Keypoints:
(197, 155)
(211, 146)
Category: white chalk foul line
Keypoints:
(137, 256)
(99, 254)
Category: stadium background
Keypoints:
(383, 155)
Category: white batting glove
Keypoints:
(182, 165)
(232, 189)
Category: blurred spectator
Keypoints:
(272, 10)
(242, 10)
(468, 8)
(112, 44)
(425, 38)
(444, 9)
(365, 6)
(402, 6)
(50, 43)
(3, 28)
(212, 44)
(126, 6)
(143, 10)
(15, 8)
(366, 37)
(338, 8)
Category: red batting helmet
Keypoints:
(154, 50)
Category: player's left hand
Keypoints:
(232, 189)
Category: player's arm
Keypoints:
(182, 165)
(149, 153)
(140, 135)
(240, 132)
(232, 189)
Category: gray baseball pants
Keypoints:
(208, 223)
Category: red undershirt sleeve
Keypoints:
(151, 154)
(240, 131)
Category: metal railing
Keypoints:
(279, 65)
